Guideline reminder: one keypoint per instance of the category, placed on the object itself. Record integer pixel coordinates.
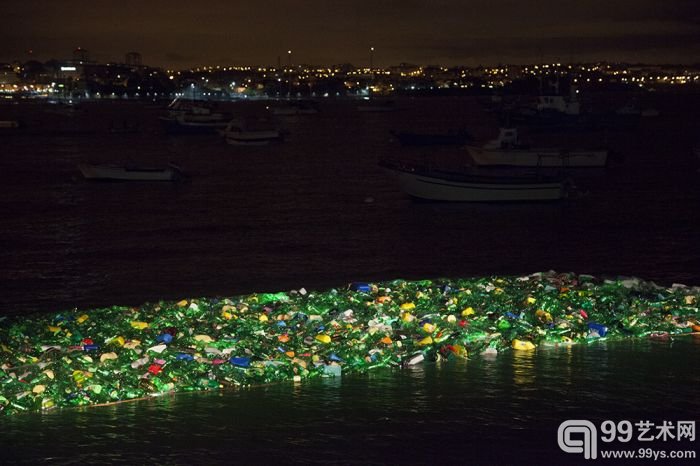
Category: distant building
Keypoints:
(8, 75)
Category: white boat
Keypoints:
(130, 173)
(506, 150)
(474, 187)
(190, 116)
(559, 104)
(241, 132)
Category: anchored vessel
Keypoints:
(507, 150)
(475, 185)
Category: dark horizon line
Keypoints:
(365, 66)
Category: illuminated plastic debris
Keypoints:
(98, 356)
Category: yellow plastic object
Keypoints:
(407, 306)
(323, 338)
(108, 356)
(522, 345)
(82, 318)
(182, 303)
(468, 311)
(426, 341)
(460, 351)
(139, 325)
(132, 344)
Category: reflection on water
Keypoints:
(504, 410)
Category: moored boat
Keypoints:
(169, 172)
(9, 124)
(193, 117)
(474, 186)
(242, 132)
(506, 150)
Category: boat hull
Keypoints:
(437, 188)
(538, 157)
(117, 173)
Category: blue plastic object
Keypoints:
(90, 347)
(184, 357)
(164, 338)
(601, 329)
(240, 361)
(361, 287)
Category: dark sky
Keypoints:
(180, 34)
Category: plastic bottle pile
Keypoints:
(120, 353)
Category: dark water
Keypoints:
(501, 411)
(292, 215)
(296, 214)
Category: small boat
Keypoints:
(474, 186)
(295, 108)
(451, 137)
(9, 124)
(130, 173)
(506, 150)
(242, 132)
(558, 104)
(193, 117)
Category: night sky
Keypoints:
(178, 34)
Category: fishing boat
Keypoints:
(247, 132)
(117, 172)
(506, 150)
(474, 185)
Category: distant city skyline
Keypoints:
(179, 35)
